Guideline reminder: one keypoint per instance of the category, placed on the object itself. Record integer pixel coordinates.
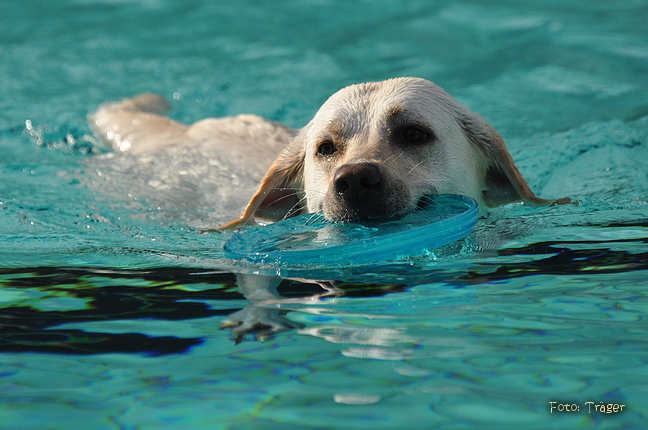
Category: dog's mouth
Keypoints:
(354, 216)
(424, 202)
(376, 213)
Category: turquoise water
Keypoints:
(112, 300)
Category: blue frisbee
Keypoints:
(310, 239)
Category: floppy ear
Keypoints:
(280, 191)
(504, 182)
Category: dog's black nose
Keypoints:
(356, 182)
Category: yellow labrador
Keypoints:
(371, 151)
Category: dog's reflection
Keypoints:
(264, 316)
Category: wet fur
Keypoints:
(364, 122)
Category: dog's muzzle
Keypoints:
(358, 183)
(360, 192)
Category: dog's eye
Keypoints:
(326, 148)
(415, 135)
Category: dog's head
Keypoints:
(373, 150)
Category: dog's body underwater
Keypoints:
(371, 151)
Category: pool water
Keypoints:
(117, 313)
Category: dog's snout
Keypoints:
(354, 182)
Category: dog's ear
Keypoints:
(504, 182)
(280, 192)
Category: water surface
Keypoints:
(112, 300)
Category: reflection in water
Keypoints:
(38, 300)
(39, 304)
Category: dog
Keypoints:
(371, 151)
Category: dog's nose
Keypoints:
(355, 182)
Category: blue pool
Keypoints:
(113, 303)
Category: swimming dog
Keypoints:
(372, 150)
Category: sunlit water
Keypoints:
(112, 299)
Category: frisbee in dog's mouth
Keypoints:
(310, 239)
